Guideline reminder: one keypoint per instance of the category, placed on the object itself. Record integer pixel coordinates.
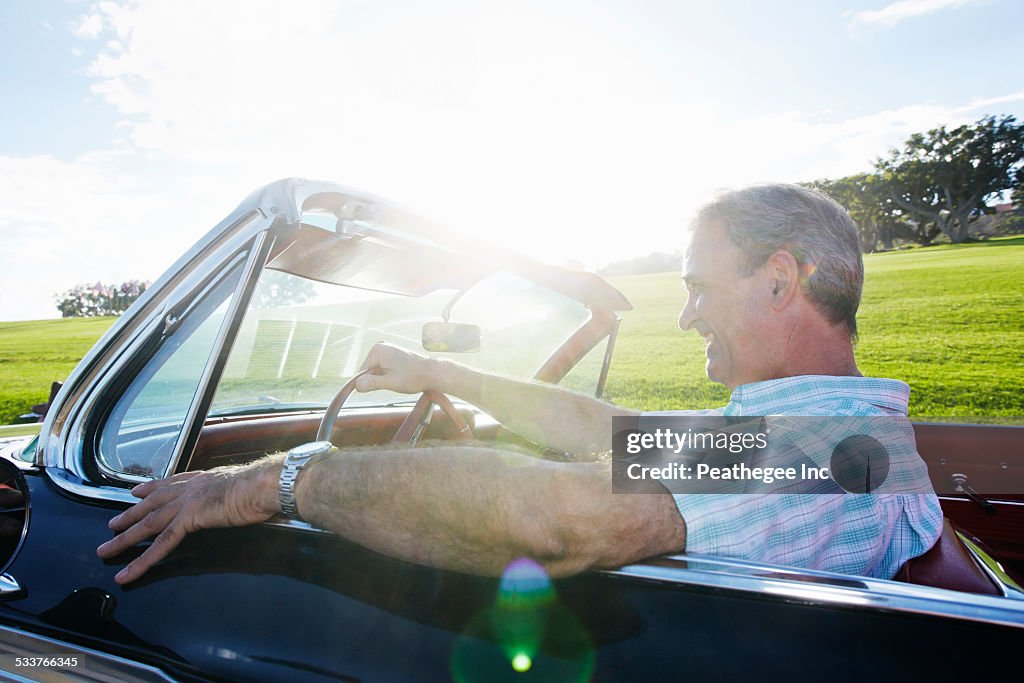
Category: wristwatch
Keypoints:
(297, 459)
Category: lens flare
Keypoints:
(524, 585)
(525, 635)
(522, 662)
(524, 594)
(807, 271)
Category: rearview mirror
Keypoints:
(451, 337)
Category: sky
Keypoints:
(570, 131)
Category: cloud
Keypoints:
(89, 26)
(984, 103)
(897, 12)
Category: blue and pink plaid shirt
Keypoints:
(863, 534)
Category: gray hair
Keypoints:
(807, 223)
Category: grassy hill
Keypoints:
(948, 320)
(35, 353)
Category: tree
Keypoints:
(865, 196)
(656, 262)
(1017, 195)
(277, 288)
(86, 301)
(943, 177)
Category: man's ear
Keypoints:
(783, 277)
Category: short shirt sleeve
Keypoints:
(862, 534)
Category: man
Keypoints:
(773, 277)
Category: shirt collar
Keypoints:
(814, 393)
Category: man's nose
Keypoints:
(687, 315)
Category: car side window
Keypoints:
(585, 375)
(139, 436)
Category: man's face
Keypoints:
(726, 308)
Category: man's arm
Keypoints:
(542, 413)
(477, 509)
(467, 509)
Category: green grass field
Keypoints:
(948, 320)
(35, 353)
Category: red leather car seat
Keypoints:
(948, 565)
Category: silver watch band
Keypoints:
(297, 459)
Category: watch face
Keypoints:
(311, 448)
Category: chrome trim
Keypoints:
(9, 585)
(11, 451)
(258, 251)
(75, 486)
(993, 569)
(92, 665)
(825, 589)
(964, 499)
(607, 362)
(282, 522)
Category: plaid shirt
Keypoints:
(864, 534)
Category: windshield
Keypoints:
(301, 339)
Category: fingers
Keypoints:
(174, 507)
(367, 383)
(392, 368)
(374, 356)
(139, 511)
(149, 525)
(375, 363)
(154, 494)
(161, 513)
(162, 545)
(144, 489)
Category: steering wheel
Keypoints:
(413, 425)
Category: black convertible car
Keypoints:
(238, 350)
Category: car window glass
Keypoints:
(301, 339)
(585, 374)
(145, 424)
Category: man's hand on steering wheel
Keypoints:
(398, 370)
(391, 368)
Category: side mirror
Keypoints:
(451, 337)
